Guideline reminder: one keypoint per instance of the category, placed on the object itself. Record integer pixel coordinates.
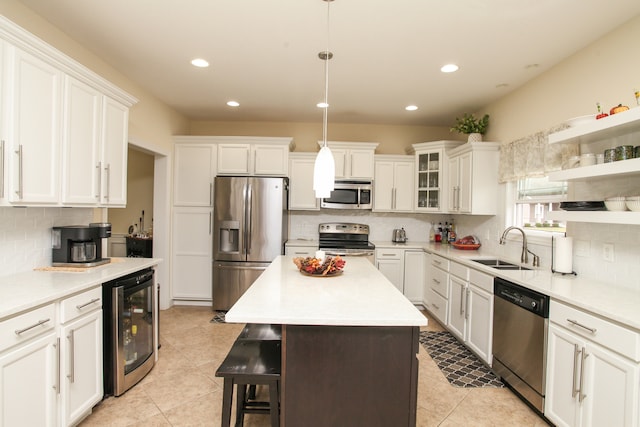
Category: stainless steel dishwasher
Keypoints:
(520, 323)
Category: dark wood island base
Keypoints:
(349, 376)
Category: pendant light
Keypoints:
(324, 169)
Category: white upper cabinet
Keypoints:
(473, 178)
(64, 128)
(353, 159)
(301, 194)
(431, 165)
(94, 161)
(32, 106)
(254, 156)
(194, 171)
(393, 183)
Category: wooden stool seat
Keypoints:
(251, 362)
(261, 332)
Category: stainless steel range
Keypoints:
(346, 239)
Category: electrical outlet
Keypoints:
(607, 252)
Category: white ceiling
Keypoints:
(387, 54)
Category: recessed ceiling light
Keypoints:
(449, 68)
(322, 105)
(200, 63)
(411, 107)
(233, 104)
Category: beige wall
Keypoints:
(139, 194)
(607, 71)
(150, 120)
(392, 139)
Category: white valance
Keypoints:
(533, 156)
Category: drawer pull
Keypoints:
(81, 306)
(435, 261)
(436, 281)
(35, 325)
(436, 307)
(575, 323)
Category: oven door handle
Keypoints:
(338, 253)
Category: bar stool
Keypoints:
(251, 362)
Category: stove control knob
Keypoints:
(534, 304)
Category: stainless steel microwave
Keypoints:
(350, 194)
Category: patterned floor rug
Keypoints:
(461, 367)
(219, 317)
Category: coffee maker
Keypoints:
(79, 245)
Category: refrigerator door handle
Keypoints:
(248, 218)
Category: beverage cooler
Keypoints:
(128, 310)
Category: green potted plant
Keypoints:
(471, 126)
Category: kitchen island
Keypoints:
(349, 344)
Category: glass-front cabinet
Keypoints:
(430, 174)
(429, 180)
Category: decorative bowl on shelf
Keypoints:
(633, 203)
(577, 121)
(615, 204)
(320, 267)
(583, 206)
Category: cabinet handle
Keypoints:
(81, 306)
(581, 396)
(1, 168)
(393, 198)
(436, 281)
(437, 308)
(56, 386)
(72, 357)
(20, 191)
(28, 328)
(211, 194)
(99, 171)
(576, 323)
(576, 353)
(383, 254)
(437, 262)
(461, 301)
(210, 221)
(107, 170)
(466, 304)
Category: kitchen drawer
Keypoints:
(603, 332)
(32, 323)
(437, 305)
(459, 270)
(389, 253)
(301, 251)
(482, 280)
(439, 282)
(80, 304)
(438, 261)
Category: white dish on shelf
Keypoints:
(577, 121)
(633, 203)
(615, 204)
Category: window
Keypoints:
(535, 198)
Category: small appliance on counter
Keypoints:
(399, 235)
(79, 245)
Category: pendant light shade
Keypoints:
(324, 173)
(324, 169)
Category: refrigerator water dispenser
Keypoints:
(229, 233)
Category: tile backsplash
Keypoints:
(589, 239)
(25, 235)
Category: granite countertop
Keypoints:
(24, 291)
(360, 296)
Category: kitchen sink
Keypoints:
(499, 264)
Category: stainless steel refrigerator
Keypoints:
(250, 228)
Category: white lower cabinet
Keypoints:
(593, 374)
(437, 288)
(300, 251)
(81, 356)
(192, 253)
(414, 264)
(51, 362)
(391, 263)
(28, 383)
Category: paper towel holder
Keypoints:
(552, 260)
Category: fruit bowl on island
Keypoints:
(467, 243)
(327, 266)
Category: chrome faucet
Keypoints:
(524, 257)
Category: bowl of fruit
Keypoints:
(328, 266)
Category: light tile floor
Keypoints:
(182, 389)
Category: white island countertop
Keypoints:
(360, 296)
(24, 291)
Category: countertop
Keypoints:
(615, 303)
(360, 296)
(24, 291)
